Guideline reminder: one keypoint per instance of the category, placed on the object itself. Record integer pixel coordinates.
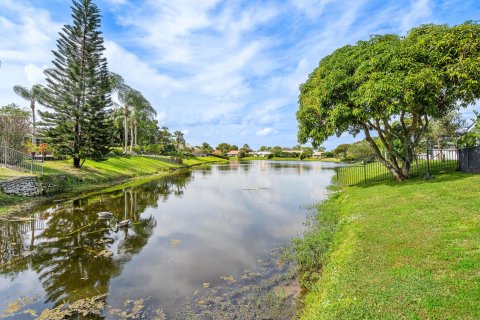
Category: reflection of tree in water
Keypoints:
(16, 243)
(77, 254)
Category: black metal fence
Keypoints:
(469, 159)
(424, 164)
(14, 159)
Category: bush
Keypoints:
(117, 151)
(270, 156)
(137, 149)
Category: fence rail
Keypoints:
(433, 161)
(10, 158)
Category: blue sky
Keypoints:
(221, 71)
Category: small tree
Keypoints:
(341, 150)
(391, 87)
(206, 148)
(472, 137)
(14, 123)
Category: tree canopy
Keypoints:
(391, 87)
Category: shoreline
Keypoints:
(368, 240)
(91, 188)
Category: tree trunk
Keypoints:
(136, 132)
(125, 113)
(131, 137)
(76, 162)
(34, 138)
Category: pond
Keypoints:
(202, 244)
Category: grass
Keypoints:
(397, 251)
(6, 173)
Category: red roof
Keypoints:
(234, 152)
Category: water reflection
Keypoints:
(74, 253)
(223, 220)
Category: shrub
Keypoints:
(117, 151)
(270, 156)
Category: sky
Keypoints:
(220, 71)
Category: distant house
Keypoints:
(317, 154)
(262, 153)
(217, 152)
(233, 153)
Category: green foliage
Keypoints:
(446, 130)
(77, 123)
(270, 156)
(472, 137)
(206, 148)
(391, 86)
(328, 154)
(8, 199)
(13, 126)
(117, 151)
(312, 250)
(341, 150)
(360, 150)
(242, 153)
(223, 147)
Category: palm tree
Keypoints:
(141, 110)
(179, 139)
(123, 92)
(33, 95)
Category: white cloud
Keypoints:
(34, 74)
(311, 8)
(418, 13)
(265, 132)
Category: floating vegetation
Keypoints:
(268, 292)
(83, 308)
(104, 253)
(230, 279)
(175, 243)
(206, 285)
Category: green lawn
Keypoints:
(401, 251)
(111, 169)
(6, 173)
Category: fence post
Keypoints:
(365, 170)
(5, 155)
(428, 160)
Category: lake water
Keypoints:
(202, 244)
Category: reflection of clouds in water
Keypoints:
(223, 228)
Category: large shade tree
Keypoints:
(391, 87)
(77, 96)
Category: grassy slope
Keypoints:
(6, 173)
(102, 174)
(403, 251)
